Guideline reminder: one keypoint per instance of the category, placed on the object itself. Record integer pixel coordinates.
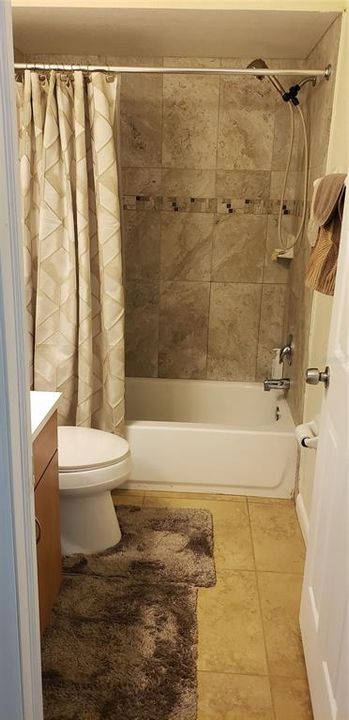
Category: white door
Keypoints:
(20, 668)
(324, 614)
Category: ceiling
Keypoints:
(167, 32)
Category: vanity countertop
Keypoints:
(42, 407)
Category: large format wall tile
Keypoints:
(186, 246)
(198, 248)
(141, 336)
(141, 119)
(247, 91)
(190, 115)
(271, 326)
(188, 183)
(317, 103)
(142, 245)
(275, 271)
(239, 248)
(282, 139)
(183, 329)
(245, 137)
(294, 185)
(233, 331)
(243, 184)
(141, 181)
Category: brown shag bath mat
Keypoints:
(120, 651)
(157, 545)
(122, 641)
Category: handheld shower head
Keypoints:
(258, 64)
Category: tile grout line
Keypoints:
(214, 223)
(261, 613)
(228, 672)
(161, 234)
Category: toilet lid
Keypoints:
(81, 448)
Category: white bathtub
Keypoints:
(204, 436)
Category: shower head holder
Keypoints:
(291, 95)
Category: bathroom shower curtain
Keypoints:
(72, 243)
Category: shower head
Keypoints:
(258, 64)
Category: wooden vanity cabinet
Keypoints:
(47, 522)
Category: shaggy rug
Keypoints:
(122, 640)
(120, 651)
(157, 545)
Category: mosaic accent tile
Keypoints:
(222, 206)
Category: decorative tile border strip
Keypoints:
(221, 206)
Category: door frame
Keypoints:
(20, 661)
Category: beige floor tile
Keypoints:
(291, 699)
(280, 599)
(232, 537)
(230, 627)
(233, 697)
(127, 497)
(277, 538)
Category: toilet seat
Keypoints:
(83, 448)
(91, 460)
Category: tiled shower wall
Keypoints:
(317, 105)
(201, 157)
(201, 161)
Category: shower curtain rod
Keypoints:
(176, 70)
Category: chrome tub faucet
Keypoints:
(279, 384)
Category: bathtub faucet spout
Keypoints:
(279, 384)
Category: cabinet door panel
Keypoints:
(48, 543)
(44, 447)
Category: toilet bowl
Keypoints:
(91, 464)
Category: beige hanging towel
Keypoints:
(327, 210)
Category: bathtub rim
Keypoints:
(210, 427)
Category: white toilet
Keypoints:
(91, 463)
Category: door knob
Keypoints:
(313, 376)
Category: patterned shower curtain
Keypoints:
(72, 243)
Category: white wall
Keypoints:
(337, 161)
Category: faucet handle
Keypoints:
(286, 351)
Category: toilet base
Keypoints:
(89, 523)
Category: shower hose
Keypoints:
(285, 247)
